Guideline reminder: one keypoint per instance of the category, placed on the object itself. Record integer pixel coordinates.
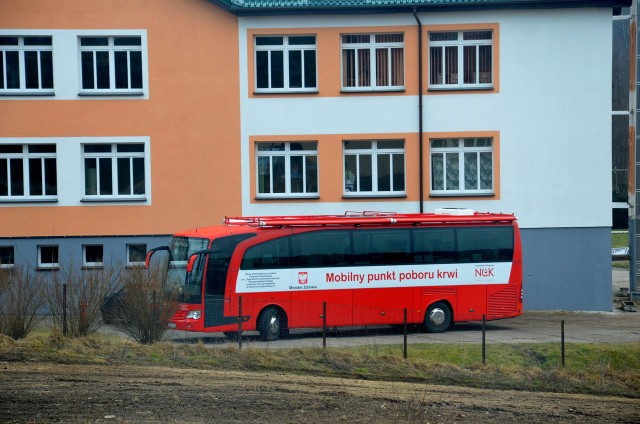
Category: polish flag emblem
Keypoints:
(303, 278)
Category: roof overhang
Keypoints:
(345, 7)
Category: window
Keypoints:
(321, 249)
(287, 169)
(26, 65)
(268, 255)
(372, 62)
(114, 171)
(111, 65)
(28, 172)
(374, 167)
(462, 59)
(7, 258)
(462, 166)
(48, 257)
(92, 255)
(136, 254)
(285, 63)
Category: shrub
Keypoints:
(21, 297)
(144, 305)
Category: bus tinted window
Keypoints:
(434, 245)
(321, 249)
(485, 244)
(382, 246)
(267, 255)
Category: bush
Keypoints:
(85, 293)
(21, 297)
(143, 307)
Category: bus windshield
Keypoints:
(181, 248)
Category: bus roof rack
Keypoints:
(351, 218)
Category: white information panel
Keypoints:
(275, 280)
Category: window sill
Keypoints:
(287, 197)
(279, 92)
(462, 194)
(27, 94)
(29, 200)
(462, 88)
(90, 267)
(110, 93)
(112, 199)
(374, 196)
(371, 90)
(48, 268)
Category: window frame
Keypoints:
(49, 265)
(22, 50)
(12, 257)
(111, 50)
(460, 43)
(131, 263)
(374, 152)
(286, 48)
(371, 46)
(26, 157)
(287, 154)
(460, 150)
(113, 155)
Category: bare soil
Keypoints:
(42, 392)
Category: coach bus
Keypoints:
(275, 273)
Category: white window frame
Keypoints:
(13, 257)
(286, 154)
(460, 151)
(48, 265)
(350, 183)
(22, 50)
(92, 264)
(111, 50)
(114, 155)
(371, 46)
(286, 48)
(131, 263)
(26, 157)
(459, 44)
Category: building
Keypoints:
(122, 122)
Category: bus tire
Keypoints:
(272, 324)
(438, 318)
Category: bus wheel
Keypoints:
(272, 324)
(438, 318)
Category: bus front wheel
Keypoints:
(438, 318)
(272, 324)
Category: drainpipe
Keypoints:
(420, 131)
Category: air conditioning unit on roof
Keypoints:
(455, 211)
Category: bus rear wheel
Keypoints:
(438, 318)
(272, 324)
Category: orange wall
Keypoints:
(191, 116)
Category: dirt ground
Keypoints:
(41, 393)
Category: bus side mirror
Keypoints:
(150, 253)
(191, 263)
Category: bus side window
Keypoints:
(318, 249)
(267, 255)
(434, 245)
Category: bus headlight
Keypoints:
(194, 314)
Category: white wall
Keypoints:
(553, 113)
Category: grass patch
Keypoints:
(590, 368)
(620, 239)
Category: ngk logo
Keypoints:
(303, 277)
(484, 272)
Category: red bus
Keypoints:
(444, 267)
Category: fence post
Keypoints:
(64, 309)
(324, 325)
(240, 323)
(484, 340)
(562, 340)
(404, 333)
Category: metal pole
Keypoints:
(324, 325)
(484, 340)
(405, 333)
(240, 322)
(64, 309)
(562, 340)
